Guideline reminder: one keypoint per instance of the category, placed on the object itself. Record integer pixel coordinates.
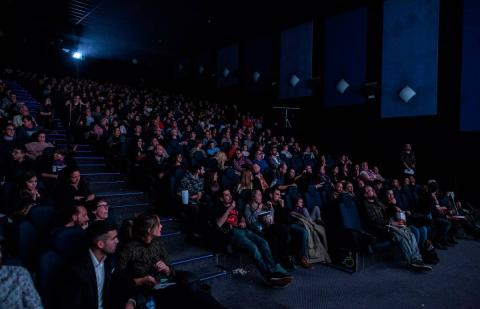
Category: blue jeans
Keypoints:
(420, 234)
(300, 239)
(257, 247)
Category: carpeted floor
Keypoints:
(454, 283)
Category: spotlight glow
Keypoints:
(77, 55)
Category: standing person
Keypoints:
(409, 162)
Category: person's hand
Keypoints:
(408, 213)
(78, 198)
(242, 224)
(161, 267)
(282, 203)
(269, 205)
(145, 281)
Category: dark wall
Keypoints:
(444, 153)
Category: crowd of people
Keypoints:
(234, 183)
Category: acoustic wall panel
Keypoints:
(258, 55)
(345, 58)
(410, 58)
(296, 61)
(470, 99)
(227, 66)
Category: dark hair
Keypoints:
(143, 223)
(97, 229)
(24, 177)
(69, 211)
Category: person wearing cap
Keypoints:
(16, 287)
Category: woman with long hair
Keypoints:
(145, 261)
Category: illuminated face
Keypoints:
(42, 138)
(369, 192)
(31, 184)
(10, 131)
(110, 243)
(81, 217)
(102, 210)
(227, 197)
(75, 178)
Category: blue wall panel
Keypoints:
(227, 59)
(410, 56)
(470, 101)
(258, 58)
(345, 57)
(296, 59)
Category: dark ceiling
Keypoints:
(153, 29)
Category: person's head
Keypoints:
(406, 181)
(256, 169)
(27, 122)
(138, 129)
(283, 168)
(117, 132)
(238, 154)
(159, 151)
(391, 197)
(75, 176)
(369, 193)
(257, 196)
(198, 170)
(59, 155)
(9, 130)
(103, 236)
(407, 148)
(298, 202)
(413, 181)
(147, 226)
(77, 216)
(360, 183)
(227, 197)
(308, 169)
(18, 154)
(29, 181)
(212, 177)
(432, 186)
(291, 173)
(258, 155)
(24, 111)
(100, 209)
(41, 137)
(335, 170)
(349, 187)
(378, 185)
(275, 195)
(364, 166)
(396, 184)
(339, 187)
(376, 170)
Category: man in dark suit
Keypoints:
(92, 277)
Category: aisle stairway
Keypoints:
(126, 203)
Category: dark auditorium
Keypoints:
(239, 154)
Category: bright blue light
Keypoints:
(77, 55)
